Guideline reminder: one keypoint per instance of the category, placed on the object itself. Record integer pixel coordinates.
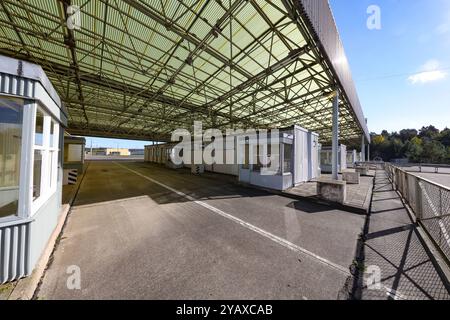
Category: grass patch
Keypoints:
(5, 290)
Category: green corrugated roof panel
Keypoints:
(139, 57)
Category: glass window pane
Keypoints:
(11, 117)
(287, 158)
(66, 153)
(50, 168)
(39, 129)
(37, 171)
(52, 135)
(74, 153)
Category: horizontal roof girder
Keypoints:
(320, 22)
(143, 68)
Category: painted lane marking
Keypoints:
(249, 226)
(395, 294)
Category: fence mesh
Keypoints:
(430, 203)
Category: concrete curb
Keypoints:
(314, 200)
(369, 195)
(25, 288)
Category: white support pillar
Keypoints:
(335, 137)
(363, 148)
(368, 147)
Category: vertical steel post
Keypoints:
(363, 148)
(368, 147)
(335, 138)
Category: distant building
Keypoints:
(136, 152)
(108, 151)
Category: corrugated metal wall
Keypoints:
(10, 84)
(321, 18)
(14, 239)
(14, 252)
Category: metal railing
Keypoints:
(430, 203)
(371, 165)
(420, 167)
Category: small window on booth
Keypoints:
(53, 155)
(263, 152)
(287, 163)
(45, 162)
(37, 173)
(11, 123)
(39, 129)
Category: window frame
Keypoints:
(50, 154)
(22, 205)
(291, 158)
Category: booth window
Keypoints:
(263, 154)
(258, 165)
(73, 153)
(287, 163)
(11, 121)
(45, 163)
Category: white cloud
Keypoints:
(443, 29)
(429, 72)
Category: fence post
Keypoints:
(419, 211)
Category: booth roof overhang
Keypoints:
(140, 69)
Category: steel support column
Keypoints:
(335, 137)
(368, 148)
(363, 149)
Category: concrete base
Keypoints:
(363, 171)
(335, 191)
(351, 177)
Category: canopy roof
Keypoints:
(140, 69)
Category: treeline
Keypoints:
(428, 145)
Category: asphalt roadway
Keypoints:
(141, 231)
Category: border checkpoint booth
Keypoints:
(32, 121)
(326, 155)
(298, 152)
(74, 152)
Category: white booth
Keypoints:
(298, 152)
(32, 121)
(352, 158)
(326, 159)
(74, 152)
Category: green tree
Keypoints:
(430, 132)
(426, 145)
(397, 148)
(408, 134)
(448, 156)
(414, 149)
(444, 137)
(434, 152)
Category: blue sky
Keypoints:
(414, 37)
(388, 64)
(115, 143)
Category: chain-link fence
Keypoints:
(430, 203)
